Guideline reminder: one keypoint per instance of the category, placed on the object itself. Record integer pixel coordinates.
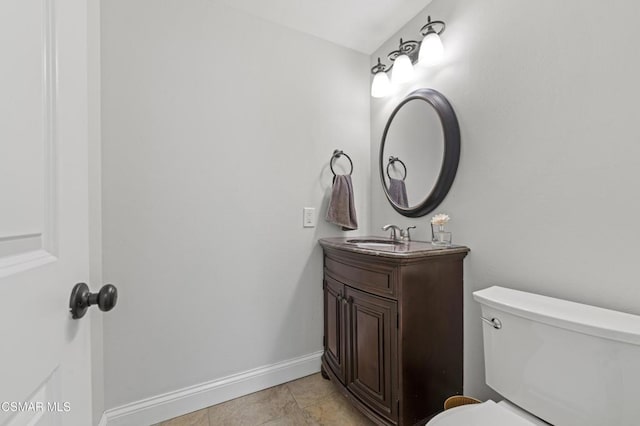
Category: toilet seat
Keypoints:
(485, 414)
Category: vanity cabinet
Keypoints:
(366, 324)
(393, 328)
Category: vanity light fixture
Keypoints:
(381, 86)
(403, 65)
(426, 53)
(431, 49)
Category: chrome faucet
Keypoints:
(394, 233)
(404, 235)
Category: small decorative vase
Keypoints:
(440, 237)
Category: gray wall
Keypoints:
(217, 129)
(546, 195)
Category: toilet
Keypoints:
(554, 362)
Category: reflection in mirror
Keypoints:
(414, 137)
(397, 188)
(419, 153)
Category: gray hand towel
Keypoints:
(342, 209)
(398, 192)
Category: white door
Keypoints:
(44, 355)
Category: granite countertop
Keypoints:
(409, 249)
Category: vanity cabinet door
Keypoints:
(372, 351)
(334, 327)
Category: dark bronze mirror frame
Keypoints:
(451, 156)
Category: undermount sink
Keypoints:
(374, 242)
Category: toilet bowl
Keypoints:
(554, 361)
(488, 413)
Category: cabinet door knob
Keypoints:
(339, 297)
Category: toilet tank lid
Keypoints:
(574, 316)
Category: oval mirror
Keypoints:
(419, 153)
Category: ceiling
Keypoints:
(362, 25)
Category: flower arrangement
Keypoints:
(440, 237)
(440, 219)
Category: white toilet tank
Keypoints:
(567, 363)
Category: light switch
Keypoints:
(309, 217)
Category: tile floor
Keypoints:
(311, 400)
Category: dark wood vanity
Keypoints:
(393, 327)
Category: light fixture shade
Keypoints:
(402, 70)
(381, 86)
(431, 50)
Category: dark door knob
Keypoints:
(82, 298)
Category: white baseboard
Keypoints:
(173, 404)
(103, 420)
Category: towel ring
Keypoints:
(336, 154)
(392, 160)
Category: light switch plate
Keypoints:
(309, 217)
